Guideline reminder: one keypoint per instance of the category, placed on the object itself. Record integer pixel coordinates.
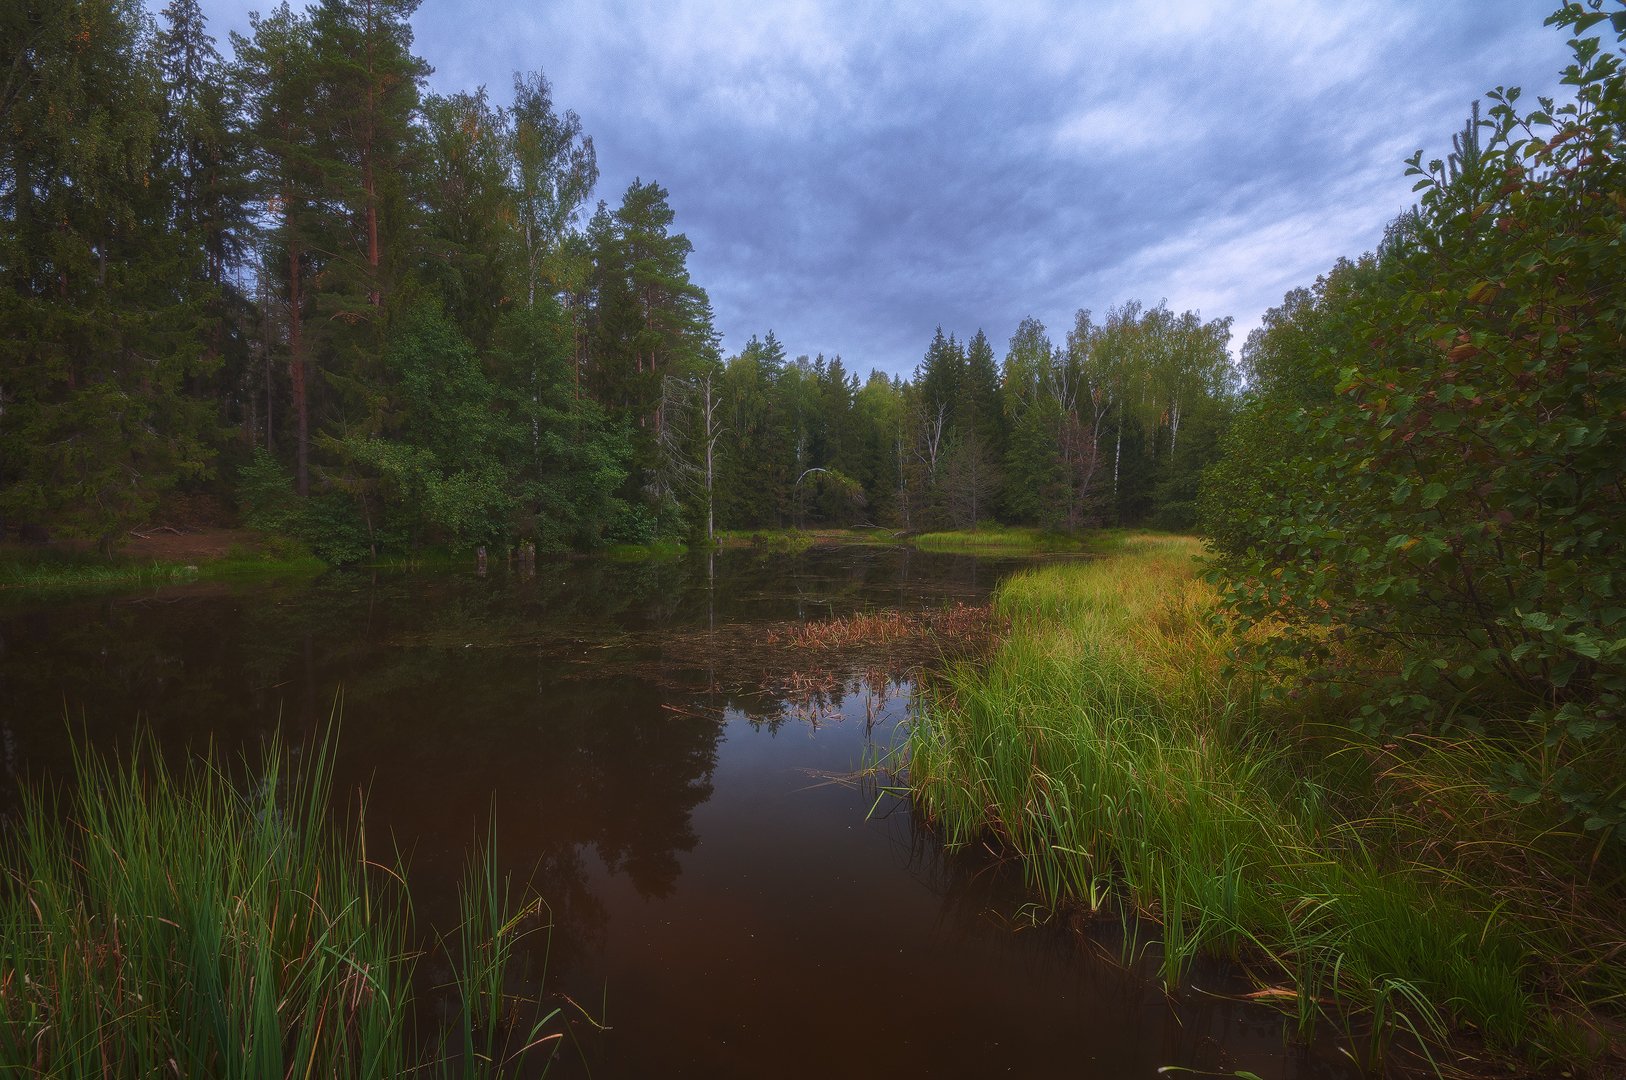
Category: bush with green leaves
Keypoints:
(1450, 525)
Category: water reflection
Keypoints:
(662, 774)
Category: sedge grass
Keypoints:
(1102, 743)
(156, 921)
(997, 540)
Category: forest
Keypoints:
(353, 312)
(1362, 735)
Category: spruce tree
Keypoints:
(101, 340)
(275, 69)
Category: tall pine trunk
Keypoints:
(296, 369)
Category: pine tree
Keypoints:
(467, 209)
(368, 84)
(651, 319)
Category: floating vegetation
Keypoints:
(956, 628)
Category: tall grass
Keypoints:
(186, 924)
(1102, 743)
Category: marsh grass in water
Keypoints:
(1379, 882)
(954, 629)
(185, 923)
(654, 551)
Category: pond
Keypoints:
(674, 780)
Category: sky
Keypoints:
(853, 175)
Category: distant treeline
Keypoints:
(372, 317)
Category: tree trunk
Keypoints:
(1117, 459)
(296, 370)
(375, 295)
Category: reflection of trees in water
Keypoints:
(815, 697)
(550, 690)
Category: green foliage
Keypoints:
(441, 453)
(570, 460)
(265, 495)
(635, 525)
(329, 522)
(1450, 531)
(835, 498)
(336, 529)
(185, 921)
(102, 322)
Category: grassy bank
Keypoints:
(655, 550)
(792, 541)
(1384, 884)
(180, 922)
(29, 569)
(998, 540)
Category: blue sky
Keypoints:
(853, 175)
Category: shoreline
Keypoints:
(1365, 884)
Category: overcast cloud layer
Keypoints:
(854, 175)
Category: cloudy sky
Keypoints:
(854, 174)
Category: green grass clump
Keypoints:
(998, 540)
(655, 550)
(87, 572)
(162, 922)
(1103, 743)
(778, 541)
(15, 574)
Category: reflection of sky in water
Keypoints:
(665, 778)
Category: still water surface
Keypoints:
(670, 781)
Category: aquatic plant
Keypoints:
(154, 920)
(953, 627)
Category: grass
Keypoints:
(998, 540)
(30, 570)
(1380, 883)
(654, 550)
(179, 922)
(795, 541)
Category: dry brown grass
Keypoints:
(955, 628)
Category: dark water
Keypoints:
(669, 780)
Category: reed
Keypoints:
(161, 921)
(1103, 743)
